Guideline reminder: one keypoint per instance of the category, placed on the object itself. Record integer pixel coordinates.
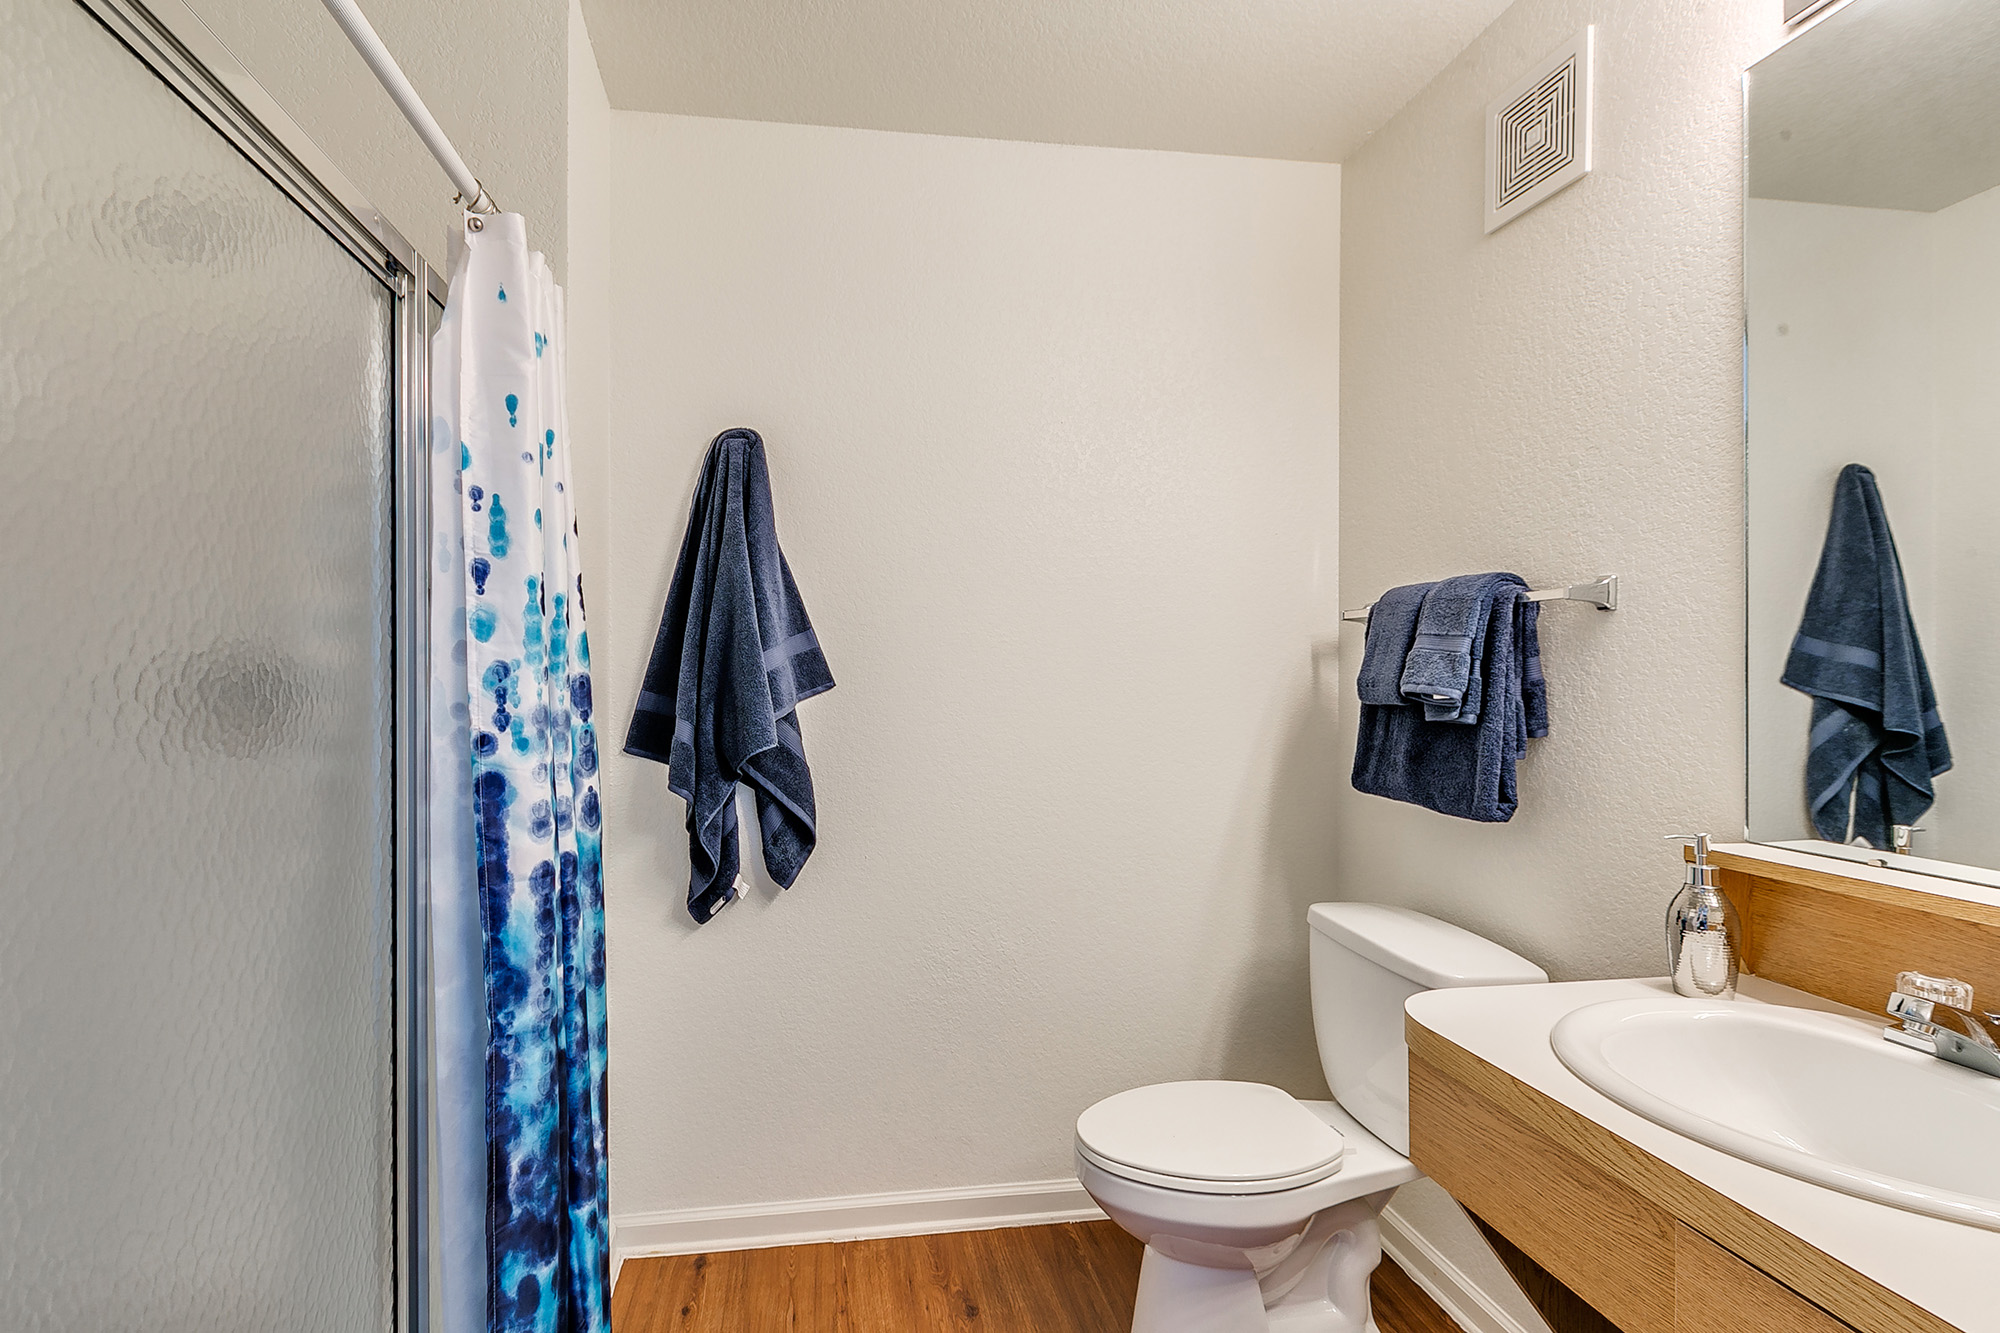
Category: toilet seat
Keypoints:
(1210, 1137)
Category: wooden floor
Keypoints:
(1076, 1278)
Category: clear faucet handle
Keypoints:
(1947, 991)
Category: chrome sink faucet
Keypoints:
(1917, 1002)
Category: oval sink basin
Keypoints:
(1814, 1095)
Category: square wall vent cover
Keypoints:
(1538, 133)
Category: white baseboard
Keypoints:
(848, 1217)
(1470, 1307)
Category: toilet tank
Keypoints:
(1367, 959)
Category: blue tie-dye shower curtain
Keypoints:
(517, 902)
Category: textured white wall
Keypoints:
(491, 71)
(1563, 399)
(1052, 434)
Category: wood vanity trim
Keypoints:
(1604, 1225)
(1849, 947)
(1922, 902)
(1484, 1157)
(1713, 1288)
(1561, 1308)
(1844, 937)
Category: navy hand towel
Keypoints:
(1442, 671)
(1392, 626)
(1876, 739)
(734, 656)
(1465, 768)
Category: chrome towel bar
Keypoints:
(1602, 594)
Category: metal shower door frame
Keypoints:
(171, 41)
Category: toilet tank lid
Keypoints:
(1434, 954)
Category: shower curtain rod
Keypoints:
(360, 32)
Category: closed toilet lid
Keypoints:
(1249, 1135)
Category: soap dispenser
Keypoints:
(1704, 939)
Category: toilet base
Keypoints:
(1321, 1287)
(1180, 1298)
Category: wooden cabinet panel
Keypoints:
(1849, 949)
(1600, 1239)
(1827, 929)
(1599, 1213)
(1716, 1292)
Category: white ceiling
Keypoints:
(1302, 79)
(1885, 104)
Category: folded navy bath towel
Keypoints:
(1392, 627)
(1464, 767)
(734, 656)
(1876, 739)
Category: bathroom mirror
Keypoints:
(1872, 273)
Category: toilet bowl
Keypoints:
(1276, 1253)
(1260, 1212)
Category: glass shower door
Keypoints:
(196, 717)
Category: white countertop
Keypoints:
(1947, 1268)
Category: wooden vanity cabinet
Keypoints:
(1590, 1233)
(1605, 1238)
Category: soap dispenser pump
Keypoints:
(1704, 939)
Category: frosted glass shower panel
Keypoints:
(195, 782)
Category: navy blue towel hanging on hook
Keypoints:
(1876, 741)
(734, 656)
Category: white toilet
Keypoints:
(1259, 1211)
